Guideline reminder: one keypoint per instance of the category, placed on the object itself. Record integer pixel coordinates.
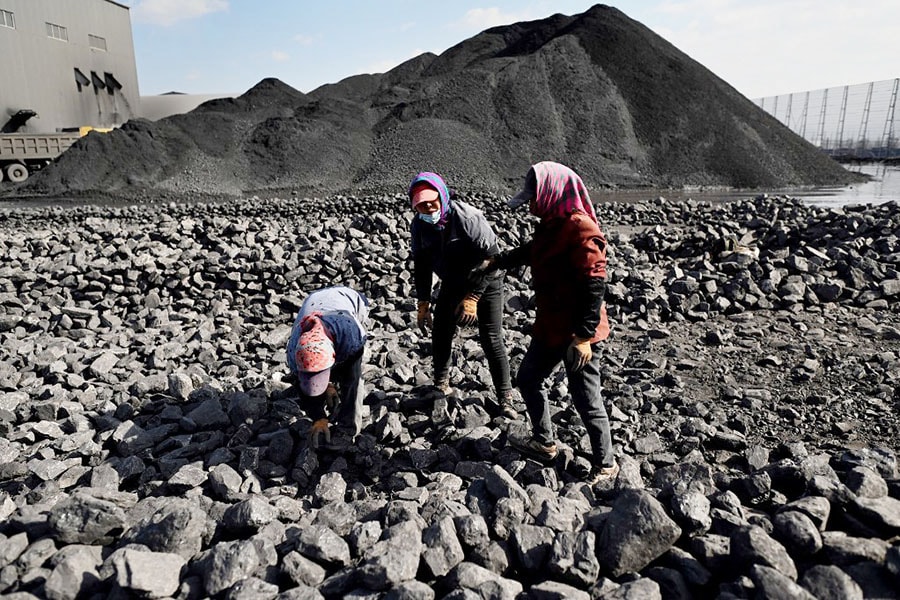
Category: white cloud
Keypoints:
(485, 18)
(304, 40)
(279, 56)
(383, 66)
(769, 47)
(169, 12)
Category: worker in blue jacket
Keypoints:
(325, 354)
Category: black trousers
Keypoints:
(490, 333)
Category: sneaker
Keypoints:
(536, 450)
(443, 387)
(507, 408)
(599, 474)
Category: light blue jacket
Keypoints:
(344, 313)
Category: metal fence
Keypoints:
(855, 121)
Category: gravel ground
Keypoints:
(149, 448)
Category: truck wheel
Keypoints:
(17, 173)
(1, 175)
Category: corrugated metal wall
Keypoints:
(38, 72)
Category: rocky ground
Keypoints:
(149, 448)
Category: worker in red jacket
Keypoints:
(567, 256)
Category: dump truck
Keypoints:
(24, 153)
(21, 154)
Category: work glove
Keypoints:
(331, 397)
(467, 311)
(423, 317)
(319, 428)
(579, 353)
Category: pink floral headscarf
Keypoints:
(315, 350)
(559, 192)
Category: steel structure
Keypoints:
(845, 119)
(864, 125)
(887, 135)
(820, 132)
(840, 135)
(805, 114)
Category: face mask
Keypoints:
(431, 218)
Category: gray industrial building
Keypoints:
(66, 64)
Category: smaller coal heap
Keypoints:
(597, 91)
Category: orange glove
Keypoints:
(423, 317)
(579, 353)
(467, 311)
(319, 428)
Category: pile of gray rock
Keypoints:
(150, 449)
(639, 113)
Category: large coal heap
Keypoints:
(597, 91)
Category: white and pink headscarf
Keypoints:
(558, 191)
(314, 356)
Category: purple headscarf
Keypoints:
(435, 181)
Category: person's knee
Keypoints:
(491, 341)
(525, 379)
(598, 417)
(595, 413)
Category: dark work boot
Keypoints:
(507, 405)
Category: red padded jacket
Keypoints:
(564, 255)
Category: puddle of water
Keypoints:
(883, 187)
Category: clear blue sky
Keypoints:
(761, 47)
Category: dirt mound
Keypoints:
(597, 91)
(201, 151)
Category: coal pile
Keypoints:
(150, 449)
(596, 91)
